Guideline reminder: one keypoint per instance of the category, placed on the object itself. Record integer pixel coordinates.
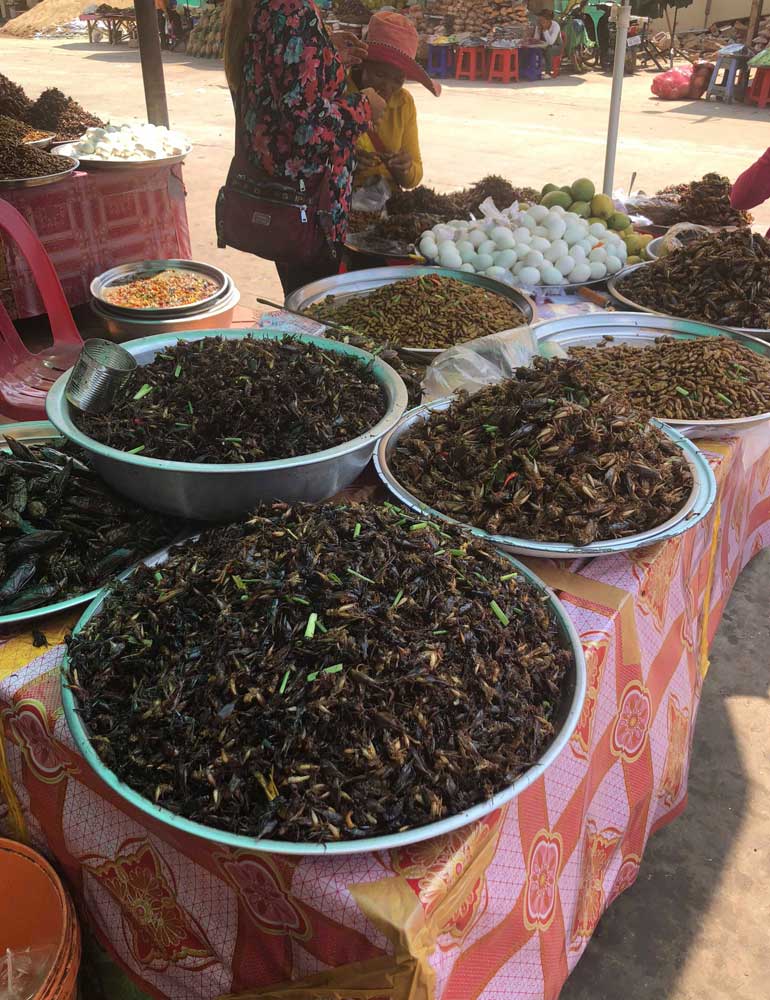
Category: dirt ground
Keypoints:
(694, 927)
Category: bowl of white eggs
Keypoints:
(536, 248)
(116, 147)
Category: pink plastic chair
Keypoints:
(25, 378)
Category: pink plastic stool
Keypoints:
(25, 378)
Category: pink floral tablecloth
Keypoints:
(91, 222)
(501, 909)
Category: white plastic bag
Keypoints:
(481, 362)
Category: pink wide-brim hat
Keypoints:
(393, 39)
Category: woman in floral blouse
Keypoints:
(288, 84)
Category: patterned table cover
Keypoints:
(91, 222)
(501, 909)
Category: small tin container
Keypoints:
(98, 376)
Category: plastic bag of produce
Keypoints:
(372, 197)
(480, 362)
(674, 84)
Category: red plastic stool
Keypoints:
(504, 66)
(759, 91)
(26, 378)
(555, 65)
(470, 63)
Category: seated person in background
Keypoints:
(548, 32)
(391, 151)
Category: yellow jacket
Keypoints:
(397, 131)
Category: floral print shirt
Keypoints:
(297, 116)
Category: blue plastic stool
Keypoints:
(440, 61)
(730, 79)
(530, 63)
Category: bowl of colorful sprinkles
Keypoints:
(160, 288)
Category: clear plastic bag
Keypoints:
(680, 235)
(372, 198)
(22, 972)
(481, 362)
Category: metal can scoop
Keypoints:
(98, 376)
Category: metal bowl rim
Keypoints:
(104, 281)
(702, 496)
(738, 336)
(97, 164)
(612, 288)
(385, 842)
(25, 182)
(57, 408)
(401, 272)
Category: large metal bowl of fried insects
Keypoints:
(696, 507)
(210, 492)
(564, 722)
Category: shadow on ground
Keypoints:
(643, 942)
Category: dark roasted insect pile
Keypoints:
(13, 101)
(430, 311)
(708, 378)
(322, 674)
(548, 455)
(55, 112)
(13, 131)
(18, 162)
(411, 374)
(720, 278)
(707, 202)
(62, 531)
(459, 204)
(217, 400)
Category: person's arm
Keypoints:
(552, 34)
(406, 166)
(301, 65)
(753, 186)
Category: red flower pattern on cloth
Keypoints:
(627, 875)
(629, 734)
(542, 880)
(598, 850)
(28, 726)
(596, 646)
(298, 119)
(158, 931)
(259, 884)
(675, 768)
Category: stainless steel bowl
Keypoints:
(227, 492)
(573, 698)
(696, 507)
(361, 283)
(615, 288)
(128, 327)
(125, 273)
(642, 330)
(43, 143)
(9, 184)
(653, 248)
(90, 163)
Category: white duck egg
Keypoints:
(503, 238)
(466, 250)
(598, 254)
(557, 210)
(477, 237)
(505, 258)
(529, 276)
(522, 235)
(578, 253)
(484, 261)
(443, 232)
(498, 273)
(469, 268)
(540, 243)
(585, 245)
(574, 234)
(528, 222)
(614, 264)
(580, 272)
(598, 229)
(429, 248)
(556, 228)
(427, 235)
(539, 231)
(551, 275)
(449, 257)
(507, 278)
(598, 270)
(570, 217)
(538, 212)
(489, 247)
(534, 259)
(522, 249)
(565, 264)
(557, 249)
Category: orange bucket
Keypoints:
(37, 924)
